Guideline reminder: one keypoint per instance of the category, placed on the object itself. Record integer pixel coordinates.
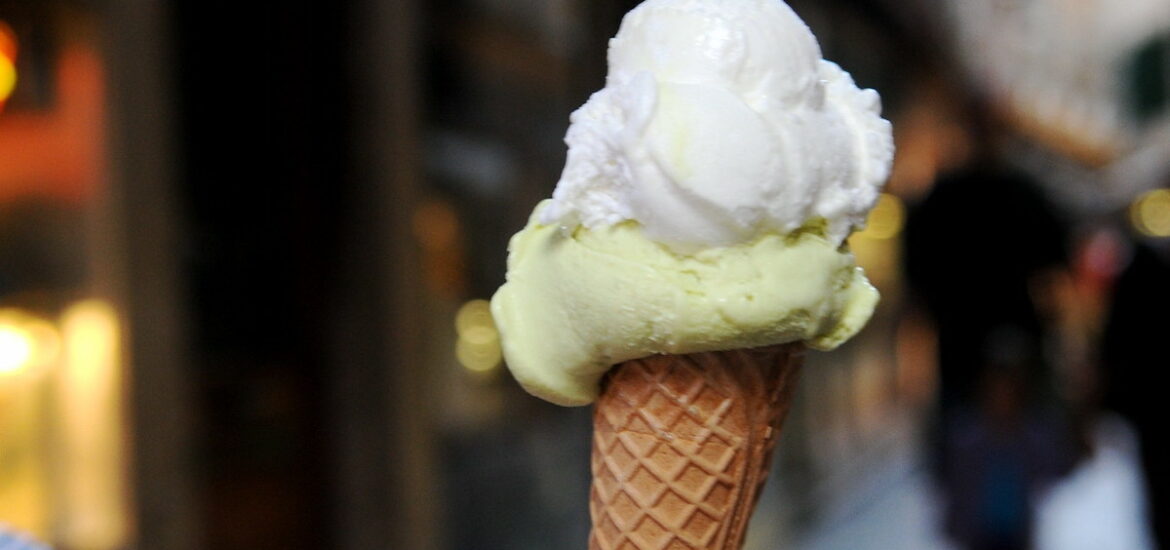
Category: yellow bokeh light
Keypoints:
(886, 219)
(16, 348)
(479, 358)
(478, 346)
(7, 78)
(480, 336)
(26, 341)
(474, 314)
(91, 328)
(1150, 213)
(7, 62)
(88, 407)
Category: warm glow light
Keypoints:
(7, 78)
(7, 62)
(478, 358)
(26, 341)
(1150, 213)
(94, 510)
(877, 247)
(474, 314)
(29, 346)
(478, 346)
(92, 330)
(15, 349)
(886, 219)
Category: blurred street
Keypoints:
(1099, 506)
(895, 508)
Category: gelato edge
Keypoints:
(579, 301)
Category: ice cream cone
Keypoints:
(682, 445)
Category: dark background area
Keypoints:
(264, 127)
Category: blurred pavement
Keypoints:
(1098, 506)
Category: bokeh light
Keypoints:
(91, 329)
(886, 219)
(478, 347)
(26, 341)
(1150, 213)
(7, 62)
(16, 348)
(88, 406)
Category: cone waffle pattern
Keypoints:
(682, 445)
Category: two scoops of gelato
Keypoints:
(704, 205)
(694, 246)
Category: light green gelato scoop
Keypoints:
(578, 302)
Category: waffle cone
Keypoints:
(682, 445)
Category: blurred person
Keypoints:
(1101, 504)
(979, 247)
(1133, 349)
(1001, 452)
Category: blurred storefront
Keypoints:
(245, 254)
(63, 454)
(70, 457)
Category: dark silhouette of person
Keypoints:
(977, 248)
(1133, 355)
(1001, 450)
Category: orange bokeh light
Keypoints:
(58, 151)
(7, 63)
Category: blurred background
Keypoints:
(245, 250)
